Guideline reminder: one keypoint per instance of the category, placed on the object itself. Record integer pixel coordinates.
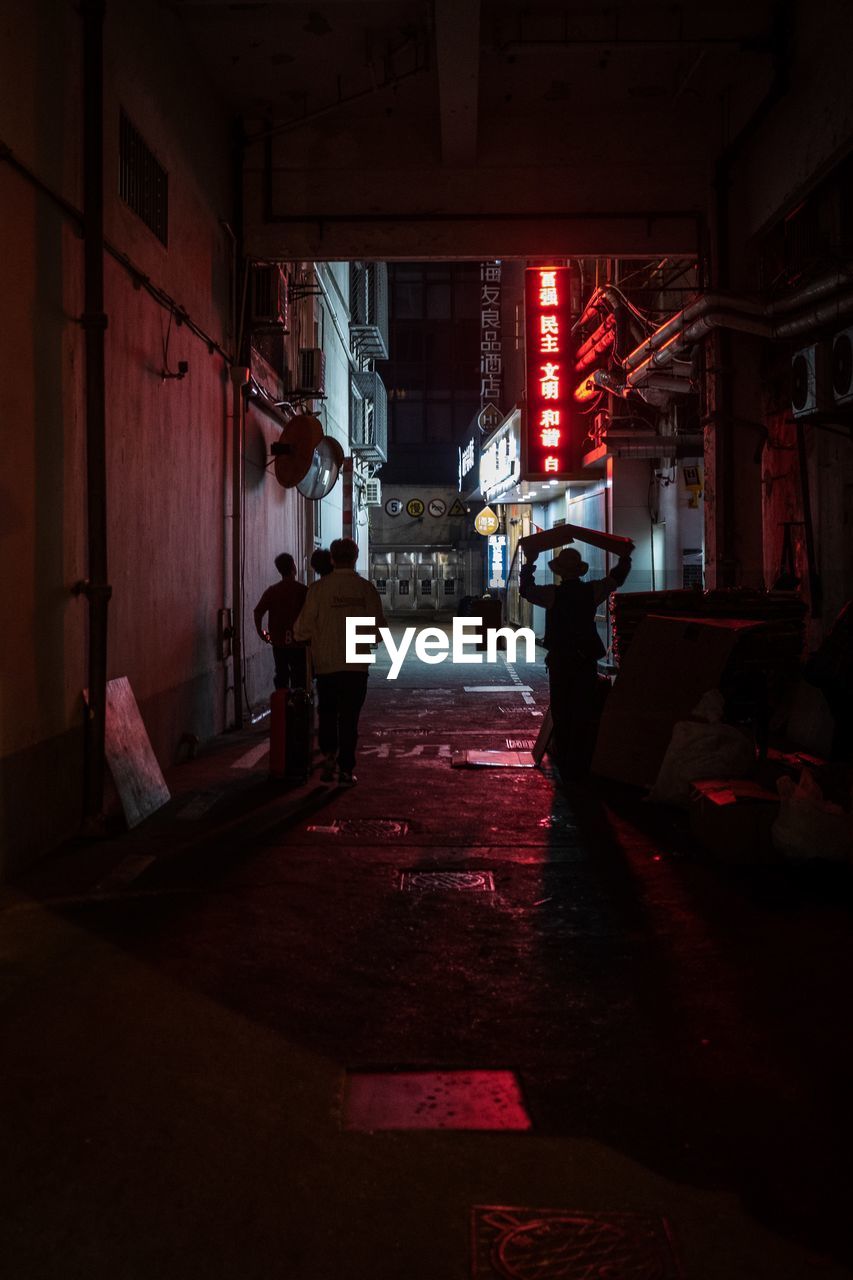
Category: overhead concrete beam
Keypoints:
(594, 235)
(457, 40)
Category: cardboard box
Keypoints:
(732, 818)
(671, 663)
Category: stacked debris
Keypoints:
(714, 711)
(778, 644)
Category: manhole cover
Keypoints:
(434, 1100)
(403, 731)
(384, 827)
(560, 1244)
(430, 881)
(520, 744)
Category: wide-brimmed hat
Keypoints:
(568, 564)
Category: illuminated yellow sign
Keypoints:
(486, 522)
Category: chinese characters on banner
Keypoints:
(552, 444)
(491, 346)
(497, 561)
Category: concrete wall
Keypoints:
(753, 482)
(808, 130)
(682, 525)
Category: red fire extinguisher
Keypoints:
(278, 732)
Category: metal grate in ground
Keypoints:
(385, 828)
(404, 731)
(444, 881)
(434, 1100)
(525, 1244)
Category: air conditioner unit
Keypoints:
(842, 367)
(373, 493)
(312, 371)
(269, 297)
(810, 381)
(271, 345)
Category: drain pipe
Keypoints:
(94, 321)
(239, 379)
(780, 42)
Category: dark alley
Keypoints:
(188, 1033)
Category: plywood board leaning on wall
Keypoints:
(137, 775)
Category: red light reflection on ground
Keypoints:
(434, 1100)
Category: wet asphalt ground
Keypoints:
(194, 1013)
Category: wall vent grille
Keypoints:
(143, 183)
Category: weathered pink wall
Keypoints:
(168, 442)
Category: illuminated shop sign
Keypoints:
(497, 561)
(467, 462)
(499, 461)
(491, 345)
(552, 445)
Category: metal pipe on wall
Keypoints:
(94, 322)
(744, 315)
(596, 344)
(815, 585)
(239, 379)
(723, 303)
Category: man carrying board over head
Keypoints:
(341, 685)
(574, 647)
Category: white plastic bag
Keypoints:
(701, 751)
(710, 707)
(809, 826)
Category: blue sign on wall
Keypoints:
(497, 561)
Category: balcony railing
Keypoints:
(369, 417)
(369, 310)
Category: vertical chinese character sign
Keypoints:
(491, 351)
(552, 436)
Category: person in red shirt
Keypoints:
(283, 602)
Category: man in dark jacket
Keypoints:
(573, 648)
(283, 602)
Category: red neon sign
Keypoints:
(551, 436)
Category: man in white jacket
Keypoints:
(341, 685)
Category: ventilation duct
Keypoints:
(814, 306)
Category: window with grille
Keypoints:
(143, 182)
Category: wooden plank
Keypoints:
(561, 535)
(544, 736)
(139, 780)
